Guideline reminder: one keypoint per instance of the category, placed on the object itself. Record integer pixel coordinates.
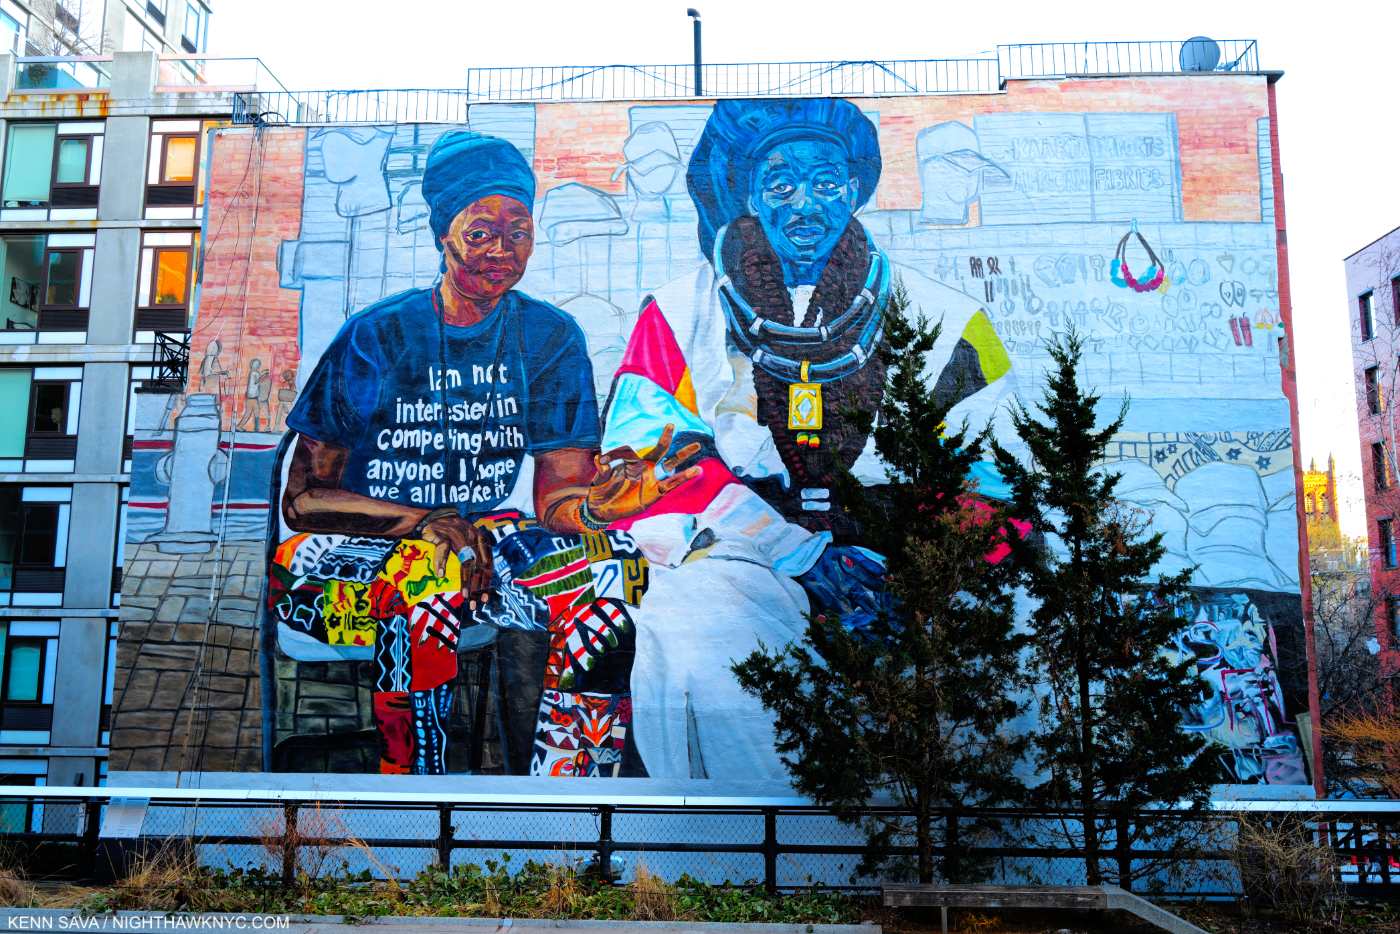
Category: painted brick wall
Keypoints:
(255, 193)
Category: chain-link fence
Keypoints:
(778, 844)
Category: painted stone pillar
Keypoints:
(190, 472)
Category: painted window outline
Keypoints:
(1363, 310)
(1380, 466)
(1385, 536)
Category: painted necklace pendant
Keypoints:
(805, 403)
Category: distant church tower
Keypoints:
(1320, 491)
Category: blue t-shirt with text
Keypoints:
(517, 382)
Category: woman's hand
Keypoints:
(627, 483)
(452, 535)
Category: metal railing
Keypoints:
(1124, 58)
(756, 79)
(781, 843)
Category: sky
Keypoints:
(1339, 138)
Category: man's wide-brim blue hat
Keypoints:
(742, 132)
(464, 167)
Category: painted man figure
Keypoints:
(751, 358)
(451, 433)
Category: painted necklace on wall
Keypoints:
(786, 350)
(1154, 278)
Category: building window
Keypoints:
(33, 544)
(109, 681)
(22, 815)
(190, 40)
(47, 287)
(1308, 503)
(1386, 538)
(163, 291)
(1395, 298)
(1380, 466)
(11, 33)
(1322, 504)
(1368, 330)
(52, 171)
(174, 179)
(28, 670)
(39, 413)
(155, 9)
(1373, 390)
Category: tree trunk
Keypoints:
(953, 863)
(1087, 798)
(923, 830)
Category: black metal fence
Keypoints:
(865, 78)
(781, 844)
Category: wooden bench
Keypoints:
(1101, 897)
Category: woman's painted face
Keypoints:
(488, 246)
(803, 195)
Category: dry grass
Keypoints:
(15, 890)
(652, 898)
(564, 893)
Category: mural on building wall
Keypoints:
(553, 412)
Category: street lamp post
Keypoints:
(695, 15)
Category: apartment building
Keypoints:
(1373, 287)
(101, 202)
(98, 27)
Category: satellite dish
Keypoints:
(1199, 54)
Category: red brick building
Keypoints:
(1373, 296)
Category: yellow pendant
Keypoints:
(805, 404)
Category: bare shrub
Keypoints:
(316, 837)
(1283, 866)
(652, 898)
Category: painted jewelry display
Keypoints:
(1154, 278)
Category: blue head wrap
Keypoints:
(465, 166)
(741, 132)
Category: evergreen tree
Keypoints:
(1112, 700)
(909, 697)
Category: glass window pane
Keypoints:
(40, 536)
(171, 276)
(72, 162)
(179, 159)
(9, 537)
(24, 671)
(14, 405)
(19, 285)
(28, 163)
(50, 401)
(63, 279)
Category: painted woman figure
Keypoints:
(446, 472)
(751, 358)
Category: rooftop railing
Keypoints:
(759, 79)
(1127, 58)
